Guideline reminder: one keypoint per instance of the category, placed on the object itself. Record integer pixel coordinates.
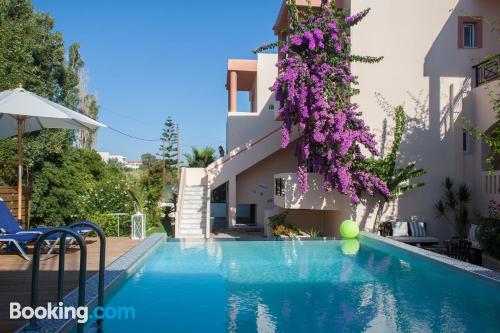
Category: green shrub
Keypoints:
(489, 231)
(313, 233)
(278, 219)
(109, 194)
(280, 228)
(109, 224)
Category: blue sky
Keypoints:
(149, 60)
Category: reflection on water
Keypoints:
(312, 286)
(349, 247)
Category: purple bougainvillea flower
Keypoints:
(302, 178)
(310, 38)
(354, 19)
(296, 40)
(313, 89)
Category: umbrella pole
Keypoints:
(20, 121)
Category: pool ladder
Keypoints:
(35, 278)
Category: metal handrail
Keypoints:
(35, 277)
(65, 231)
(102, 264)
(487, 70)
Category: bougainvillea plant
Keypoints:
(314, 88)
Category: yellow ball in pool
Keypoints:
(349, 229)
(349, 247)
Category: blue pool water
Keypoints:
(312, 286)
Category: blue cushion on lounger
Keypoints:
(7, 221)
(19, 237)
(417, 229)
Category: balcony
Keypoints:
(287, 194)
(487, 71)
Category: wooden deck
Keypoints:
(15, 275)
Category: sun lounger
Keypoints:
(414, 233)
(9, 226)
(19, 241)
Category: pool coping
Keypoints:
(479, 271)
(115, 272)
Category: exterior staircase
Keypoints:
(193, 212)
(192, 223)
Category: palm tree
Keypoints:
(456, 202)
(200, 157)
(397, 179)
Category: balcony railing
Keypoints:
(488, 70)
(279, 186)
(492, 183)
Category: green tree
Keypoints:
(78, 98)
(148, 160)
(32, 54)
(200, 157)
(61, 176)
(151, 182)
(397, 179)
(168, 147)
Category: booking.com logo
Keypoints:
(80, 314)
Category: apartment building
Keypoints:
(431, 66)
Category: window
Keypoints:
(470, 32)
(465, 142)
(469, 35)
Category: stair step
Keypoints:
(191, 236)
(192, 205)
(192, 220)
(194, 215)
(193, 196)
(193, 210)
(191, 232)
(192, 227)
(188, 225)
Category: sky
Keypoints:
(148, 60)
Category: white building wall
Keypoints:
(244, 126)
(424, 70)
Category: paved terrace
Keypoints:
(15, 275)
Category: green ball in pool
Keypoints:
(349, 247)
(349, 229)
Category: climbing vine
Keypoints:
(314, 88)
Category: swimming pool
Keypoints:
(292, 286)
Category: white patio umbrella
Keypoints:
(22, 112)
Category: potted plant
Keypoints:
(280, 229)
(455, 203)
